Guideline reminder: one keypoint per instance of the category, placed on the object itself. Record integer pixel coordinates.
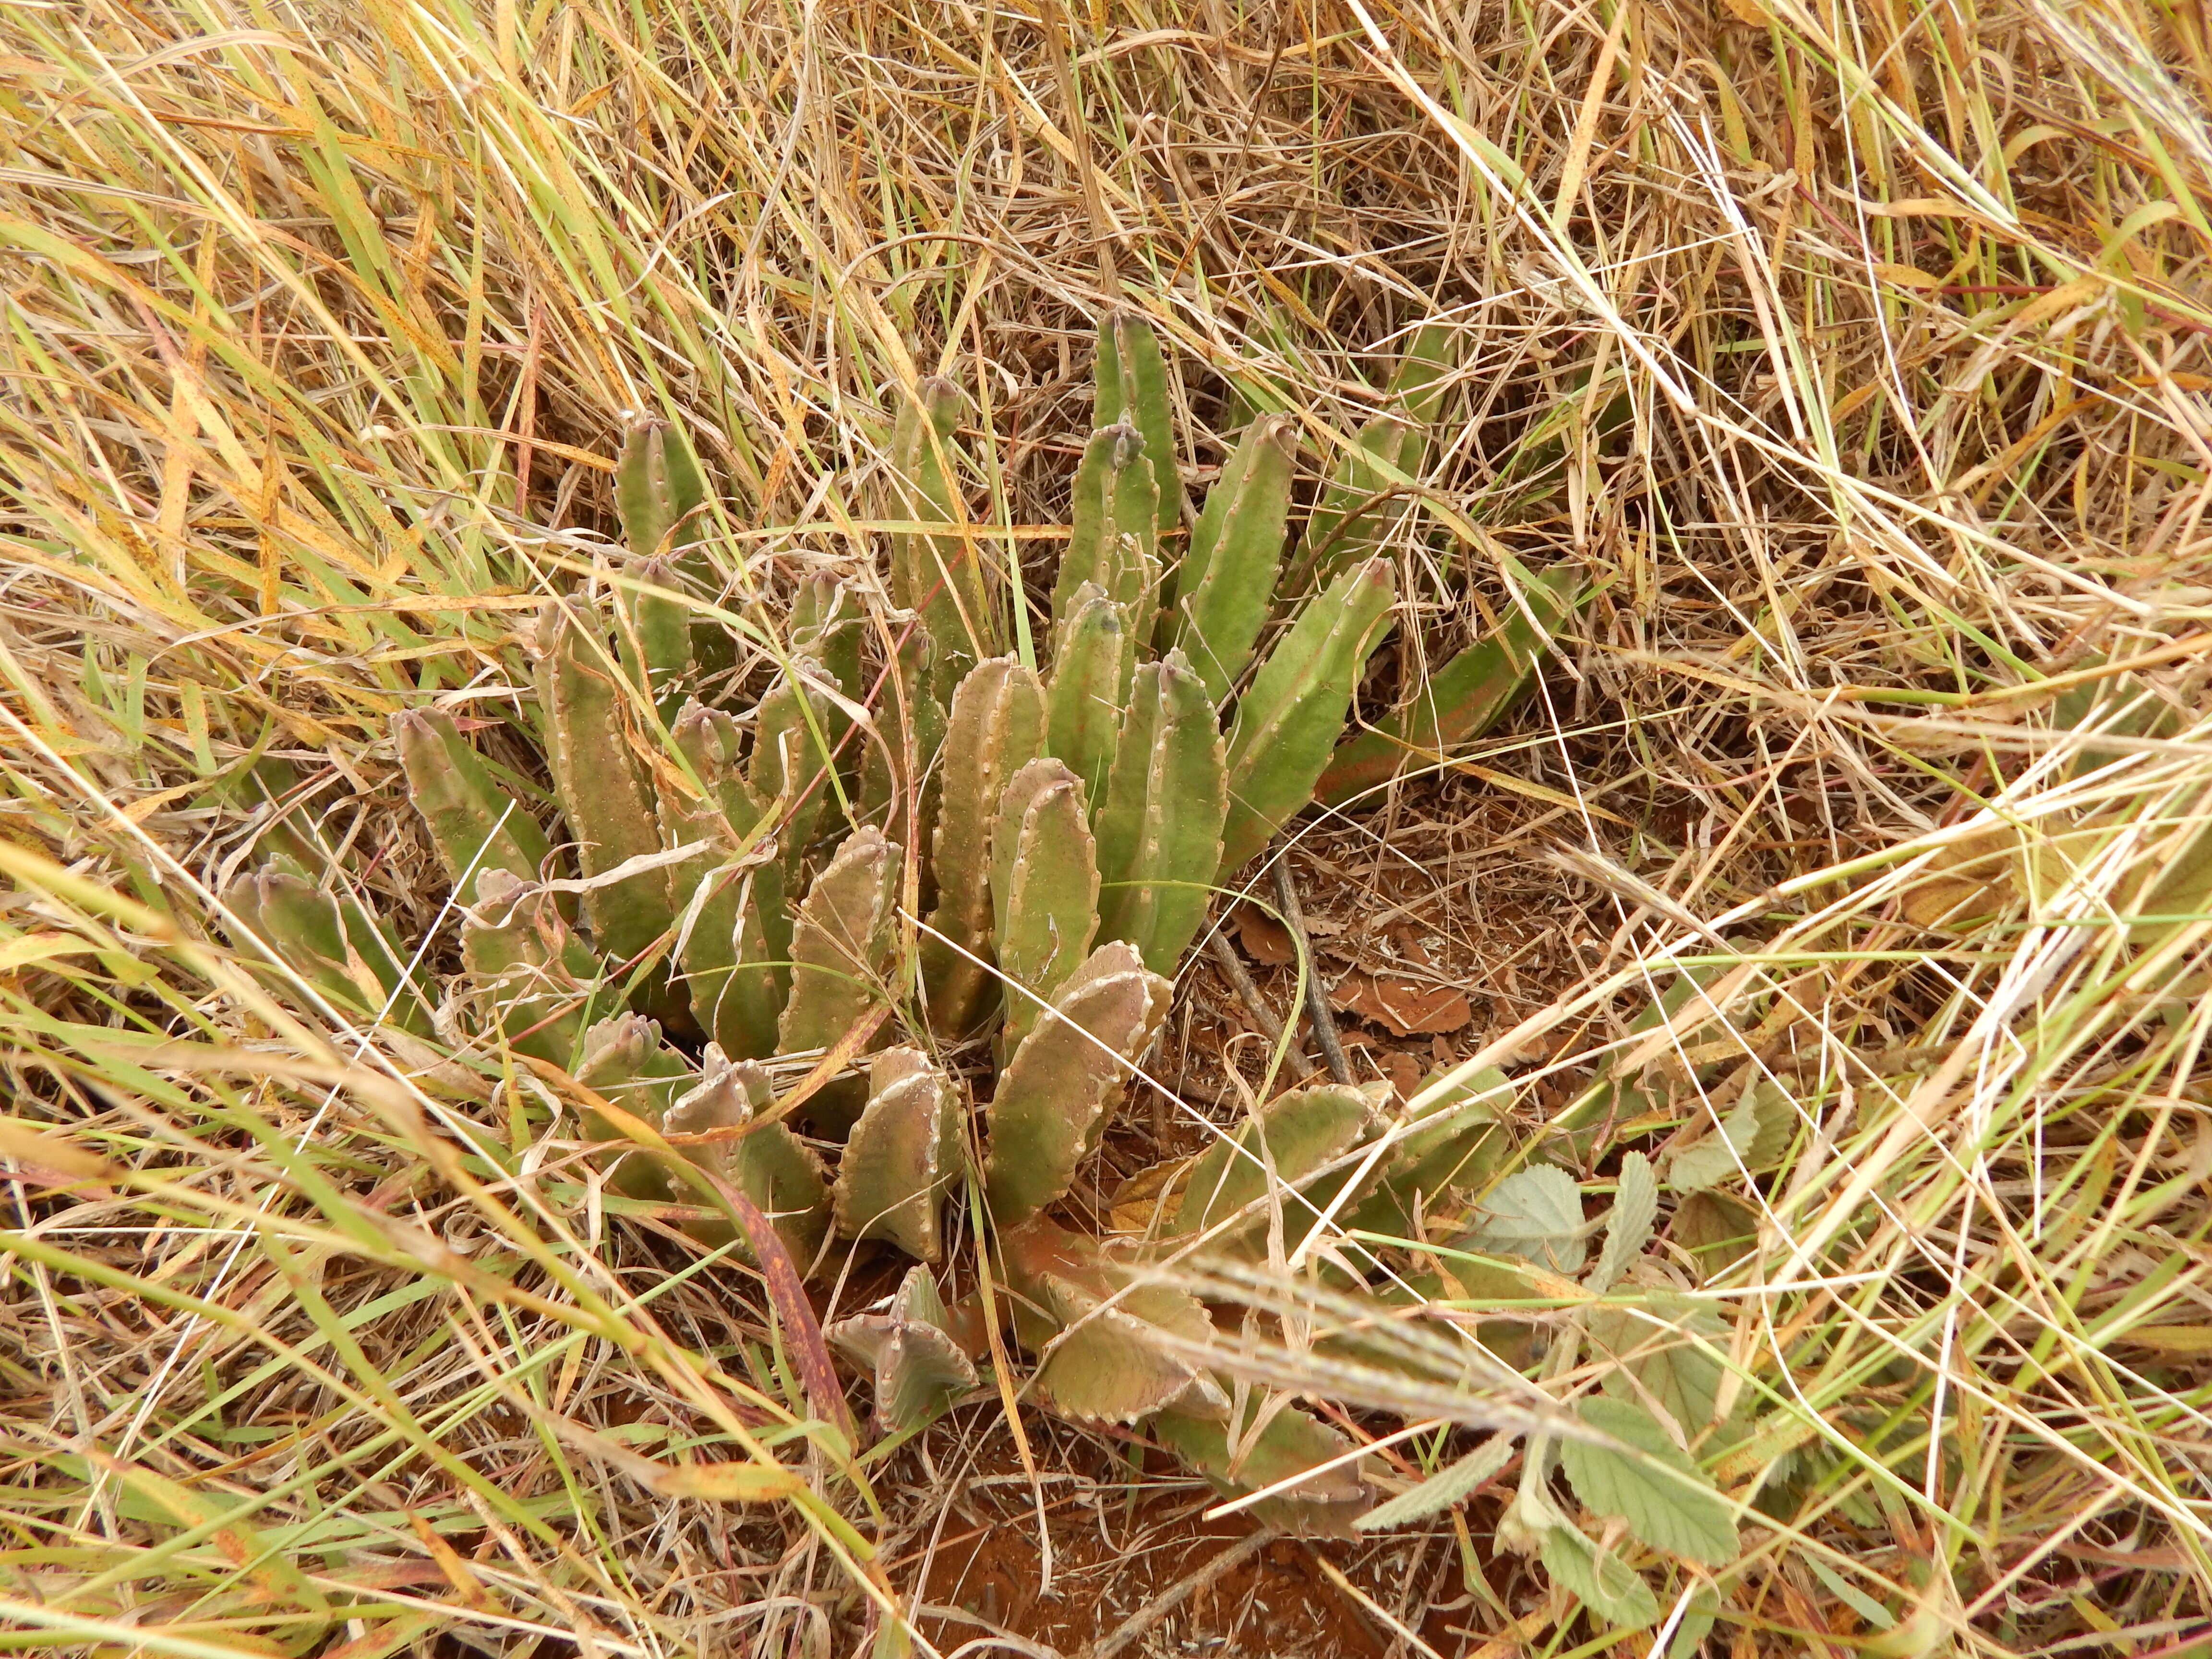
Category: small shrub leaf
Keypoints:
(1606, 1584)
(1665, 1366)
(1753, 1136)
(1667, 1501)
(1442, 1489)
(1536, 1213)
(1635, 1207)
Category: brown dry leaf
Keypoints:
(1405, 1072)
(1145, 1198)
(1264, 939)
(1401, 1006)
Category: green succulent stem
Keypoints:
(1131, 381)
(1044, 889)
(1288, 722)
(1460, 702)
(1227, 581)
(1159, 831)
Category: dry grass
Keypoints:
(1858, 354)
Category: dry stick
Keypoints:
(1181, 1590)
(1232, 969)
(1324, 1024)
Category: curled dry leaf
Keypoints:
(1401, 1006)
(1264, 939)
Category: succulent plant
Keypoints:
(993, 853)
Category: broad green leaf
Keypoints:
(1635, 1207)
(1536, 1213)
(1607, 1585)
(1667, 1501)
(1654, 1347)
(1442, 1489)
(1755, 1133)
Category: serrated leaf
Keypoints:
(1715, 1230)
(1774, 1116)
(1605, 1584)
(1665, 1363)
(1446, 1487)
(1635, 1207)
(1650, 1483)
(1534, 1213)
(1754, 1134)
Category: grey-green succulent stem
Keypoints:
(303, 927)
(902, 1154)
(826, 628)
(654, 635)
(474, 824)
(1114, 537)
(541, 977)
(659, 493)
(920, 1370)
(789, 762)
(657, 489)
(604, 791)
(1132, 379)
(1159, 831)
(1288, 722)
(1100, 1332)
(1461, 701)
(1094, 657)
(1346, 522)
(1044, 889)
(899, 770)
(1292, 1441)
(733, 932)
(1053, 1093)
(767, 1163)
(1228, 578)
(840, 956)
(1294, 1135)
(996, 727)
(625, 1060)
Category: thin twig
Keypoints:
(1240, 981)
(1317, 1014)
